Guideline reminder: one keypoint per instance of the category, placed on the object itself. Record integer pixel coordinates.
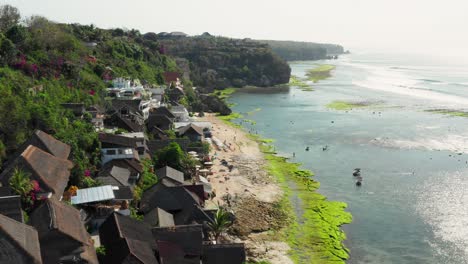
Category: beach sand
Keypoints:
(251, 191)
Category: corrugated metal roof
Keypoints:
(94, 194)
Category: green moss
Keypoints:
(449, 112)
(312, 228)
(225, 93)
(320, 73)
(315, 235)
(343, 105)
(227, 119)
(296, 81)
(252, 122)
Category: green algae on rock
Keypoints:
(313, 227)
(344, 105)
(449, 112)
(320, 73)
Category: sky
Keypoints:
(400, 26)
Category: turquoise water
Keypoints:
(413, 205)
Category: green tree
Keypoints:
(9, 16)
(221, 222)
(21, 183)
(174, 157)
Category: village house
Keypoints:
(19, 243)
(108, 154)
(111, 174)
(223, 253)
(127, 240)
(135, 140)
(180, 113)
(184, 204)
(159, 218)
(45, 142)
(157, 94)
(158, 134)
(170, 176)
(179, 244)
(50, 172)
(192, 132)
(10, 204)
(62, 235)
(162, 122)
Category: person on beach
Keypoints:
(294, 154)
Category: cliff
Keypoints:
(294, 50)
(219, 62)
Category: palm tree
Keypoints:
(221, 222)
(21, 183)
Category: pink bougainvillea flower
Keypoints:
(35, 185)
(87, 173)
(92, 92)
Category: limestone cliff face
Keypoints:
(218, 62)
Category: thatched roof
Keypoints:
(19, 243)
(185, 239)
(171, 173)
(51, 172)
(223, 253)
(190, 128)
(10, 204)
(159, 217)
(59, 224)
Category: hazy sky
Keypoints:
(399, 25)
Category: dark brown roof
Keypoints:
(129, 124)
(160, 121)
(132, 164)
(123, 193)
(19, 243)
(10, 204)
(162, 111)
(171, 173)
(125, 227)
(119, 140)
(171, 76)
(48, 143)
(56, 215)
(51, 172)
(190, 127)
(129, 251)
(182, 203)
(224, 253)
(157, 133)
(142, 251)
(132, 105)
(189, 238)
(43, 141)
(159, 217)
(59, 223)
(114, 175)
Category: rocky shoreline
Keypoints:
(279, 215)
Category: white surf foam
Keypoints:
(397, 82)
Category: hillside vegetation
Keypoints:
(294, 50)
(218, 62)
(44, 64)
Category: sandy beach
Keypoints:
(248, 190)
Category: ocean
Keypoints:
(413, 204)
